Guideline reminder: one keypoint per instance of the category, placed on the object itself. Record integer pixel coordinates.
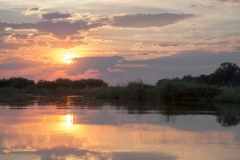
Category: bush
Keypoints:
(172, 90)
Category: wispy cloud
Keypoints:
(231, 2)
(33, 10)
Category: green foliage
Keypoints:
(229, 94)
(225, 73)
(67, 83)
(172, 90)
(11, 90)
(135, 89)
(43, 84)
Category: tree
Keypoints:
(225, 73)
(43, 84)
(63, 82)
(188, 78)
(19, 82)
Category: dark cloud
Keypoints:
(142, 54)
(2, 34)
(193, 62)
(183, 63)
(211, 44)
(167, 44)
(58, 15)
(3, 25)
(61, 29)
(34, 9)
(237, 48)
(190, 58)
(149, 20)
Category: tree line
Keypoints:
(23, 83)
(228, 74)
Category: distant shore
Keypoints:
(169, 90)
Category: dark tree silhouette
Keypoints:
(228, 74)
(225, 74)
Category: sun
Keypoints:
(68, 58)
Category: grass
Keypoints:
(228, 94)
(169, 90)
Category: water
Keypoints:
(77, 129)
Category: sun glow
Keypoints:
(68, 58)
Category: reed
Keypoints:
(169, 90)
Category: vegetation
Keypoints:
(228, 74)
(23, 83)
(222, 85)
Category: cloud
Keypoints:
(64, 44)
(57, 15)
(3, 25)
(12, 46)
(42, 44)
(18, 63)
(190, 58)
(2, 34)
(237, 48)
(116, 69)
(149, 20)
(232, 2)
(60, 29)
(224, 1)
(34, 10)
(142, 54)
(166, 44)
(22, 36)
(84, 64)
(211, 44)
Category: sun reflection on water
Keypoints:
(69, 120)
(68, 124)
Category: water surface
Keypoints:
(73, 129)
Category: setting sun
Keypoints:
(68, 58)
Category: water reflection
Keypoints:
(69, 120)
(76, 128)
(228, 120)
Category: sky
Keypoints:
(117, 40)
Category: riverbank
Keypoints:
(137, 90)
